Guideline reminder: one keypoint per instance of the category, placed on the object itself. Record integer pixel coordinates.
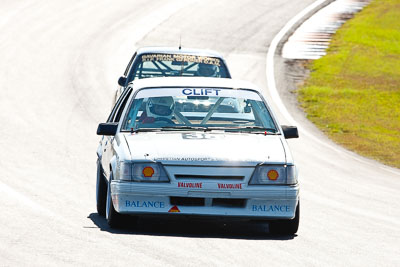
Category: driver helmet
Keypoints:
(207, 70)
(160, 107)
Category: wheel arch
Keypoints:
(113, 166)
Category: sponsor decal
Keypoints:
(183, 159)
(201, 91)
(190, 185)
(270, 208)
(197, 136)
(145, 204)
(229, 186)
(148, 171)
(174, 209)
(182, 58)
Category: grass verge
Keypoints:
(353, 93)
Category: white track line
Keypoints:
(270, 72)
(271, 53)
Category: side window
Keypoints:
(129, 65)
(122, 106)
(119, 106)
(223, 71)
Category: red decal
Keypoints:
(174, 209)
(190, 185)
(230, 186)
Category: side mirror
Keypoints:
(290, 131)
(122, 81)
(108, 128)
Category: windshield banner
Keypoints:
(181, 58)
(198, 92)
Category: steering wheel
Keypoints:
(163, 119)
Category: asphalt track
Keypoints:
(59, 65)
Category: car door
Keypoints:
(107, 141)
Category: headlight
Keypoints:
(141, 172)
(274, 174)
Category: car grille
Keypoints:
(209, 173)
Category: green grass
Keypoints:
(353, 93)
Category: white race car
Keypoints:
(196, 147)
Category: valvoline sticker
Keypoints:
(174, 209)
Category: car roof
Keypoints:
(192, 82)
(177, 50)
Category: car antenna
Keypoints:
(180, 42)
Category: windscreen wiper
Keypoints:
(145, 130)
(180, 127)
(257, 129)
(273, 130)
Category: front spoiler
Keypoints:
(259, 202)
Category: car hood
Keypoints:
(197, 148)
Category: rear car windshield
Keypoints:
(198, 107)
(164, 65)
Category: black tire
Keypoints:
(101, 190)
(114, 219)
(286, 227)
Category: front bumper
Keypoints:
(252, 202)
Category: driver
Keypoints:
(206, 70)
(158, 109)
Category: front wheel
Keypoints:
(114, 219)
(287, 227)
(101, 190)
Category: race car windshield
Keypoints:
(164, 65)
(171, 109)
